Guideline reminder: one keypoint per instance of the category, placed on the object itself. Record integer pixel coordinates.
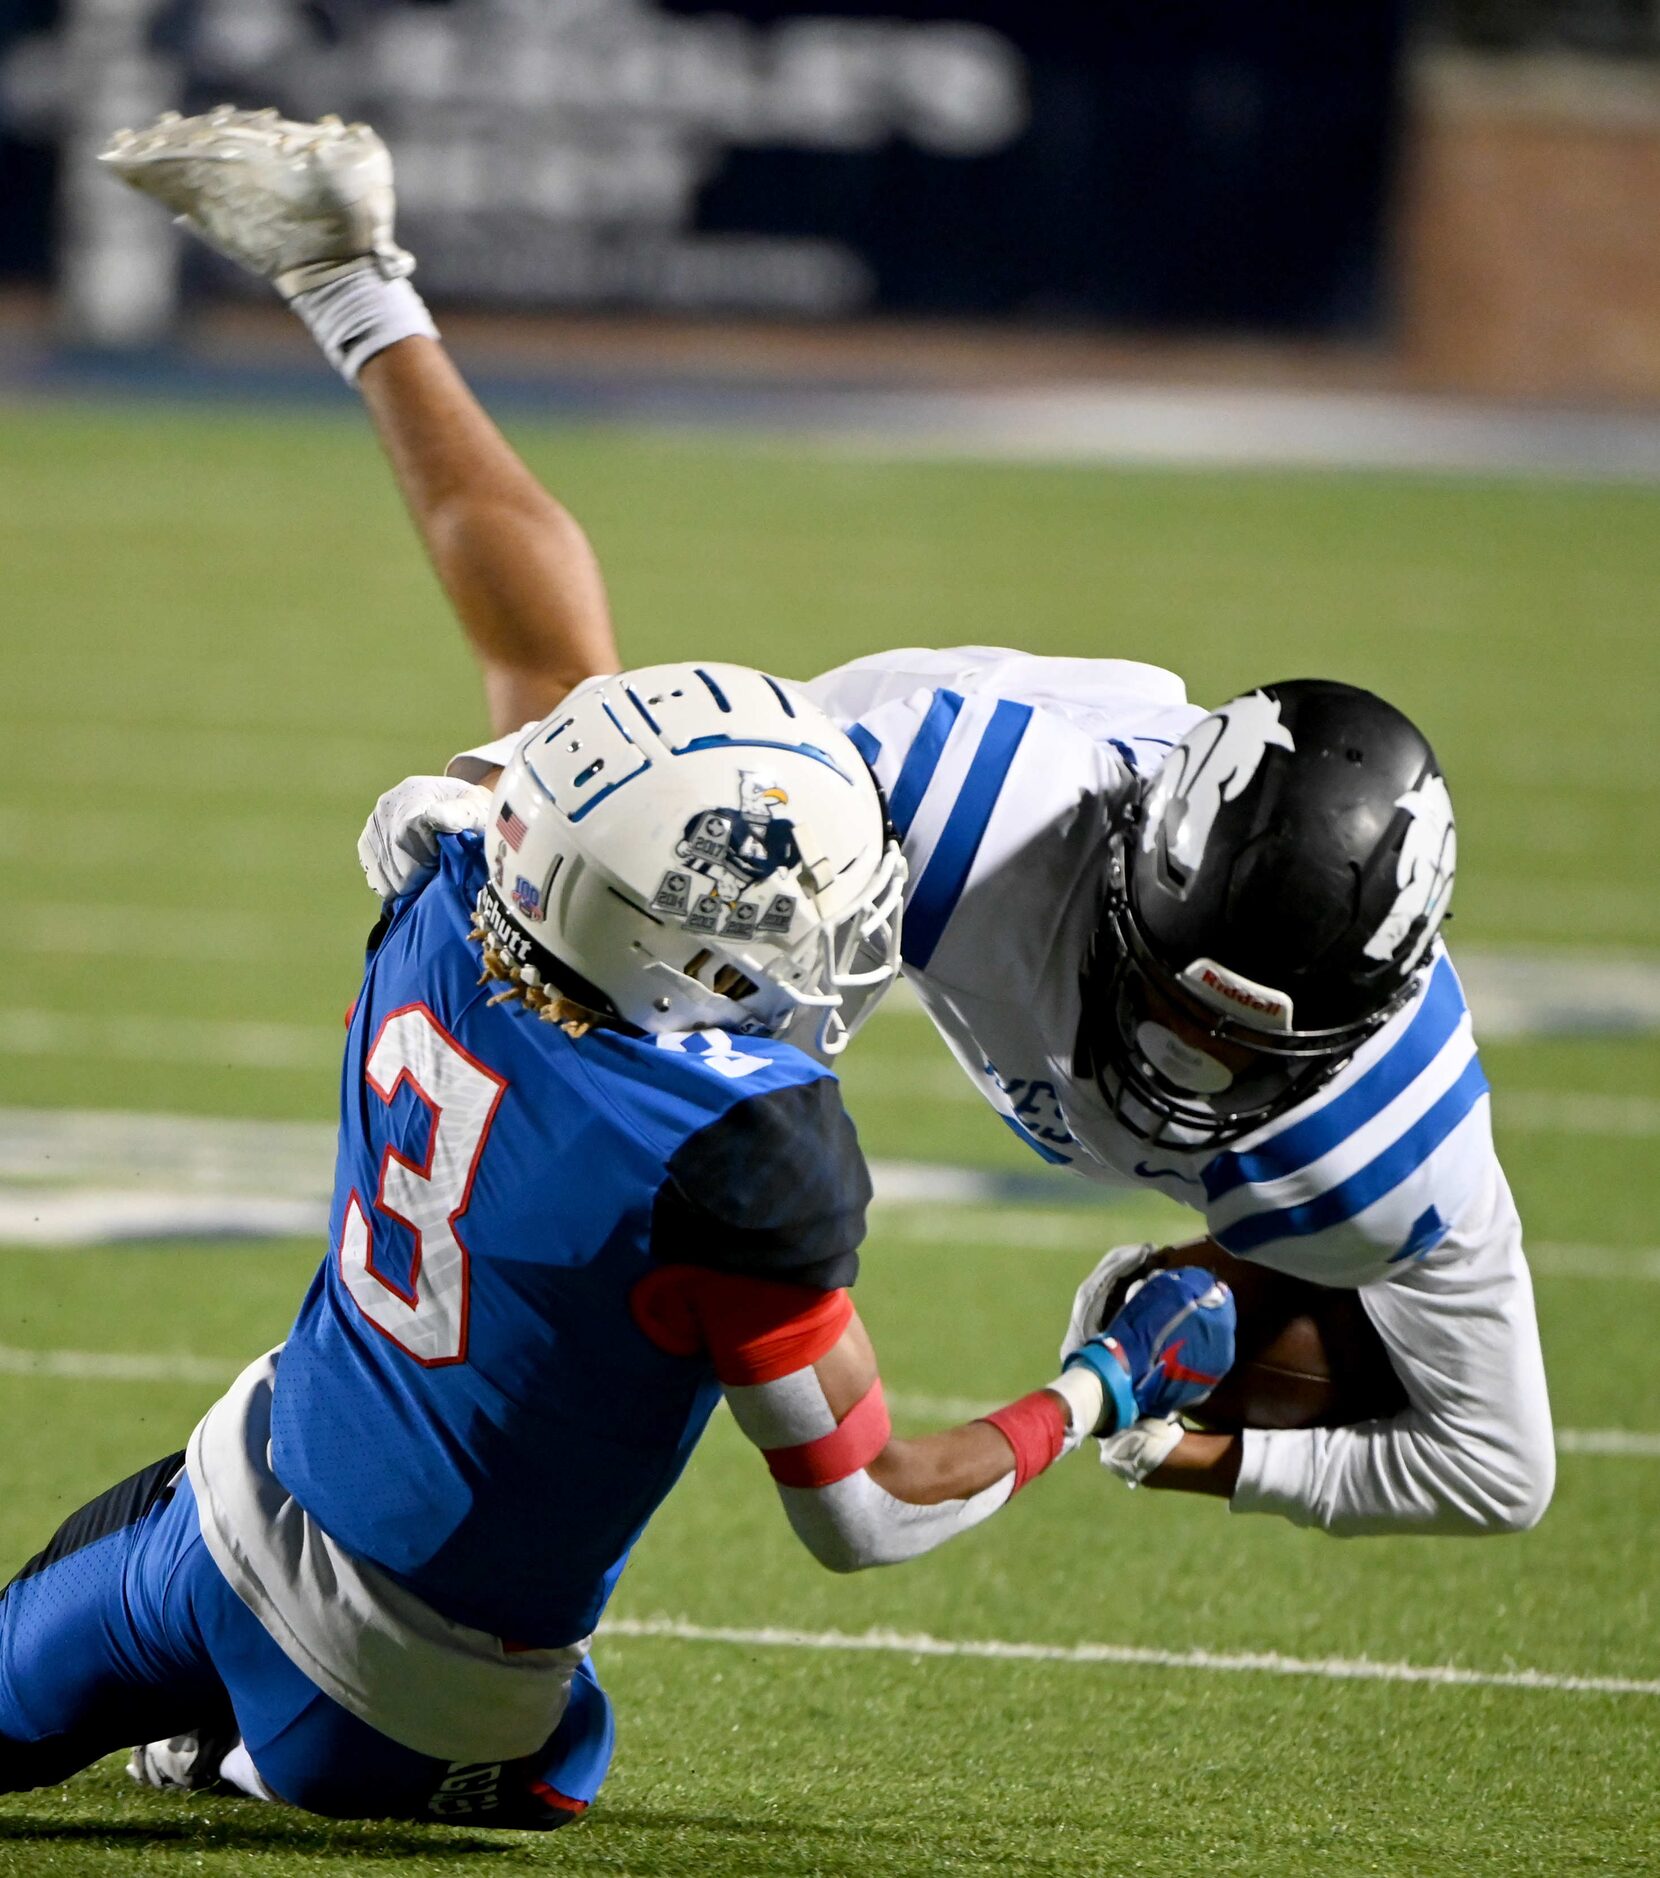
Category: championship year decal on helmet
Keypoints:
(727, 851)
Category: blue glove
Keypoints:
(1169, 1346)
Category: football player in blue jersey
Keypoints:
(593, 1174)
(1193, 953)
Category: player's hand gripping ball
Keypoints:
(1165, 1350)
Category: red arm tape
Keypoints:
(1035, 1427)
(856, 1441)
(754, 1329)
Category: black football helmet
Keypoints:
(1272, 896)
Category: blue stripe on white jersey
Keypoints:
(946, 874)
(943, 781)
(1439, 1014)
(923, 759)
(1366, 1159)
(1379, 1176)
(867, 746)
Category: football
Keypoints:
(1306, 1356)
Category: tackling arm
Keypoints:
(855, 1494)
(805, 1389)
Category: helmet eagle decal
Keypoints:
(1424, 873)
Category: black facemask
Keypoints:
(1154, 1091)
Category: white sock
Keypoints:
(238, 1768)
(360, 314)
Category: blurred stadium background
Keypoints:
(1251, 339)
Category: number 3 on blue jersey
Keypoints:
(427, 1318)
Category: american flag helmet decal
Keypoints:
(511, 828)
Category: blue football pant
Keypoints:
(124, 1631)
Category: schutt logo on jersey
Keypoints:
(726, 851)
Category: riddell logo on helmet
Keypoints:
(1237, 996)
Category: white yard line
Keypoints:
(116, 1366)
(1215, 426)
(1126, 1655)
(224, 1043)
(190, 1153)
(1625, 1443)
(44, 1220)
(1548, 1259)
(75, 1177)
(1554, 1112)
(1533, 994)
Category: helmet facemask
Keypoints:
(1151, 1083)
(815, 995)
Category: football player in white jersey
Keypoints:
(1192, 953)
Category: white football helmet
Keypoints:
(702, 847)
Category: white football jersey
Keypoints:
(1002, 774)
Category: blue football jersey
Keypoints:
(466, 1400)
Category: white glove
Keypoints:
(1139, 1450)
(1106, 1285)
(308, 207)
(399, 844)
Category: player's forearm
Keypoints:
(912, 1496)
(1410, 1474)
(1200, 1464)
(952, 1465)
(516, 566)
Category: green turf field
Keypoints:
(221, 642)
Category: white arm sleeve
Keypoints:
(856, 1523)
(853, 1523)
(1474, 1452)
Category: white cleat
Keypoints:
(182, 1764)
(299, 204)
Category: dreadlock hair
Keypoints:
(522, 984)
